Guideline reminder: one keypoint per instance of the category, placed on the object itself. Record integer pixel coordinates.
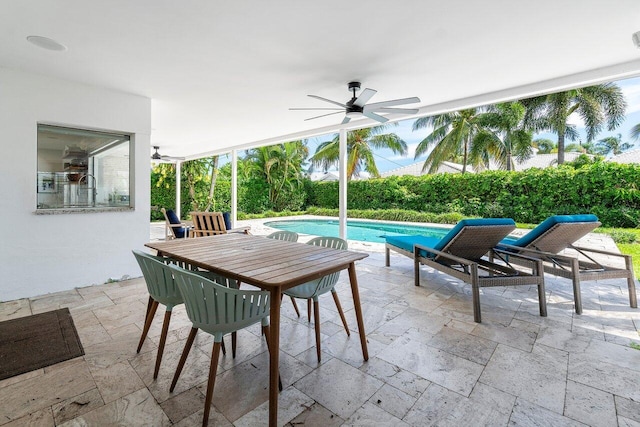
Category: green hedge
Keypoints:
(392, 215)
(609, 190)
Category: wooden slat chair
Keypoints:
(559, 232)
(211, 224)
(463, 252)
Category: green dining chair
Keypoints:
(229, 283)
(288, 236)
(217, 310)
(312, 290)
(162, 290)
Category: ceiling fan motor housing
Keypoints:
(354, 86)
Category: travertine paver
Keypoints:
(430, 364)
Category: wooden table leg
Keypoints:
(356, 303)
(274, 355)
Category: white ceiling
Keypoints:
(223, 74)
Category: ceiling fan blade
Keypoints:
(304, 109)
(364, 97)
(397, 110)
(375, 116)
(324, 115)
(346, 120)
(377, 105)
(327, 100)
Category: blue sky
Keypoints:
(386, 160)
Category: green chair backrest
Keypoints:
(288, 236)
(325, 284)
(219, 309)
(159, 279)
(219, 279)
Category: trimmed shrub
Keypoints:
(609, 190)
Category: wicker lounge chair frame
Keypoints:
(464, 258)
(578, 269)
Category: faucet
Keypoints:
(94, 189)
(85, 177)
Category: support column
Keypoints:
(342, 191)
(234, 187)
(178, 201)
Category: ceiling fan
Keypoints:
(157, 156)
(357, 106)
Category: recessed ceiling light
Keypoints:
(46, 43)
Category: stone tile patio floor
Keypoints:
(430, 364)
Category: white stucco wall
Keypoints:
(41, 254)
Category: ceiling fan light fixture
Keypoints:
(46, 43)
(636, 39)
(354, 114)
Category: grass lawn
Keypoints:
(632, 249)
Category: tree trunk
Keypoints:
(465, 154)
(560, 148)
(214, 177)
(192, 195)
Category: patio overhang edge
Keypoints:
(585, 78)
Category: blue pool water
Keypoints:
(365, 231)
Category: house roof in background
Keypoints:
(537, 161)
(223, 75)
(415, 169)
(632, 156)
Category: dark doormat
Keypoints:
(34, 342)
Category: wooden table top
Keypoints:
(256, 260)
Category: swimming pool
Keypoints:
(364, 231)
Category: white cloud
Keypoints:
(631, 90)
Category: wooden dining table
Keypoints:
(272, 265)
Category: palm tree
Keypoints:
(360, 146)
(280, 166)
(596, 105)
(612, 144)
(635, 132)
(451, 136)
(502, 136)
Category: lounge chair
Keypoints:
(558, 233)
(211, 224)
(462, 254)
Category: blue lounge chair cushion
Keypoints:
(545, 225)
(173, 219)
(407, 242)
(227, 220)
